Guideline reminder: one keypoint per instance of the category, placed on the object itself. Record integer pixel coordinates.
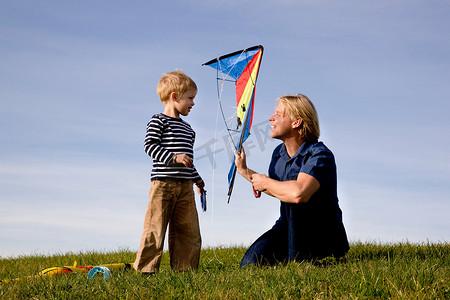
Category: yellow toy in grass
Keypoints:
(70, 269)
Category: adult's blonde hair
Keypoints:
(175, 81)
(299, 106)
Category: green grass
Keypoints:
(370, 271)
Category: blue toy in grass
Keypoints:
(102, 270)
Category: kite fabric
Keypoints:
(242, 67)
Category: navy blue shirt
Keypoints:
(315, 228)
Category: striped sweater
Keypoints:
(165, 137)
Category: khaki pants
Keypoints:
(171, 202)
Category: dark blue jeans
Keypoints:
(299, 235)
(269, 249)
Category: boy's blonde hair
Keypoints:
(299, 106)
(175, 81)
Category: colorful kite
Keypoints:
(240, 67)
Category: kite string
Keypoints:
(220, 92)
(253, 81)
(220, 107)
(213, 181)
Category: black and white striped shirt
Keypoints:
(165, 137)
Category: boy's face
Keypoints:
(185, 103)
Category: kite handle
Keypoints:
(256, 193)
(203, 199)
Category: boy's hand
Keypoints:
(184, 159)
(200, 185)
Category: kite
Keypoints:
(242, 68)
(75, 269)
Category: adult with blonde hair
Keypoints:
(302, 175)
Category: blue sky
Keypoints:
(77, 87)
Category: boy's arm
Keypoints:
(197, 179)
(200, 185)
(152, 143)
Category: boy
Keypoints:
(169, 141)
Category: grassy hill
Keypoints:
(370, 271)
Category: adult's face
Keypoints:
(280, 123)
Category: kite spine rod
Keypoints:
(223, 79)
